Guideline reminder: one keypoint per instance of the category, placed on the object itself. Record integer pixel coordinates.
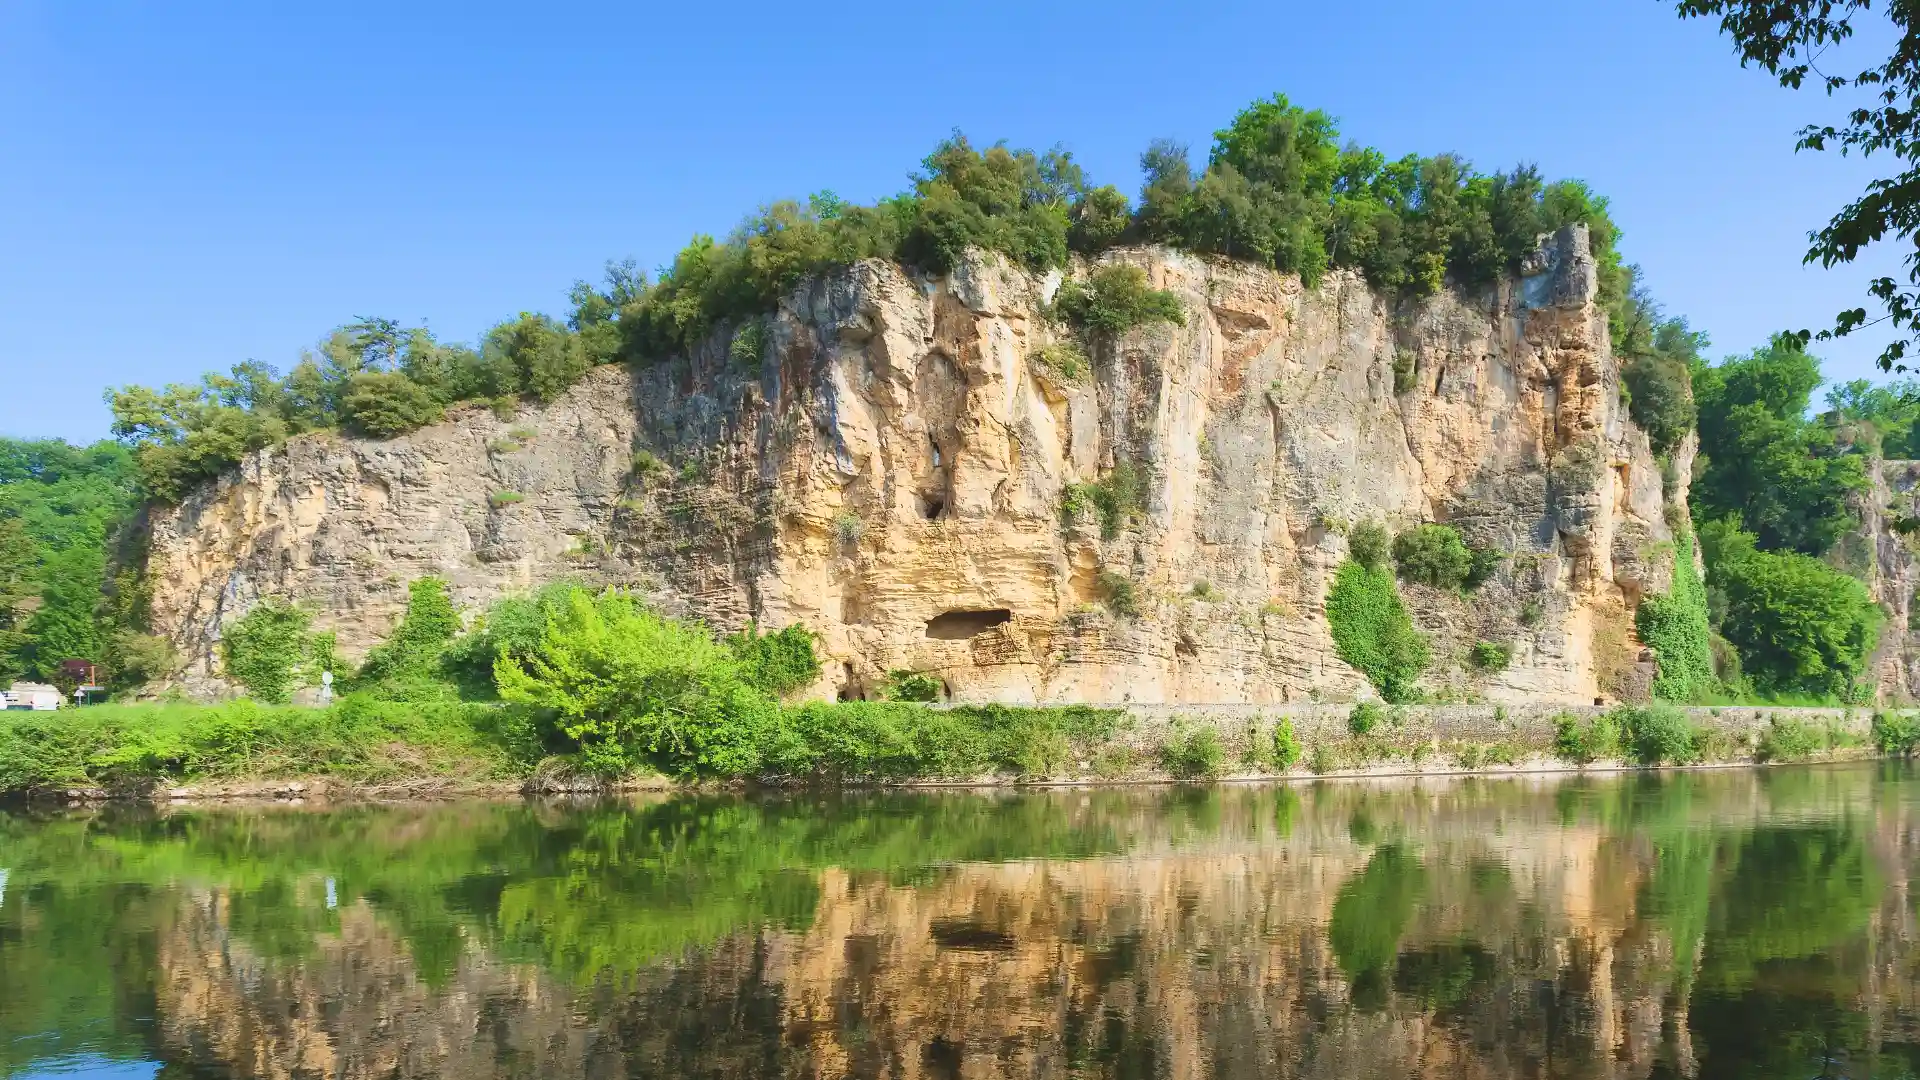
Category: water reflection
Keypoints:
(1723, 924)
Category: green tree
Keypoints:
(778, 663)
(1765, 463)
(1800, 625)
(387, 403)
(16, 589)
(412, 654)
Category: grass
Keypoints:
(358, 740)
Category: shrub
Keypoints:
(1113, 300)
(848, 529)
(749, 341)
(1787, 739)
(512, 625)
(632, 688)
(1800, 625)
(1675, 626)
(1193, 755)
(1490, 655)
(778, 663)
(1365, 718)
(1404, 370)
(1586, 743)
(1065, 359)
(1433, 555)
(502, 499)
(1204, 590)
(502, 446)
(386, 403)
(1658, 735)
(1367, 545)
(1117, 496)
(1531, 611)
(267, 648)
(1896, 734)
(1372, 633)
(1117, 593)
(413, 652)
(904, 685)
(1286, 746)
(1482, 564)
(646, 465)
(889, 740)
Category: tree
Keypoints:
(1786, 38)
(16, 588)
(1800, 625)
(386, 403)
(1433, 555)
(1765, 463)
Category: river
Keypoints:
(1721, 923)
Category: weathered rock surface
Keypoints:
(892, 475)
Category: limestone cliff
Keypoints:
(891, 473)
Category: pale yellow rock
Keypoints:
(900, 456)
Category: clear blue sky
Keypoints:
(186, 185)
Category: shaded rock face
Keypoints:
(893, 474)
(1884, 557)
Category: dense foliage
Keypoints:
(1763, 461)
(1372, 632)
(1802, 627)
(63, 512)
(1675, 625)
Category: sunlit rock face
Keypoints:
(892, 473)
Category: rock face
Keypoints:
(893, 471)
(1884, 557)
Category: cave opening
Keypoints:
(961, 625)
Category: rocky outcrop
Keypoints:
(892, 473)
(1882, 554)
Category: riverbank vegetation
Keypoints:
(567, 685)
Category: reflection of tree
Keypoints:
(1369, 915)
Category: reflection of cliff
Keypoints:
(1471, 930)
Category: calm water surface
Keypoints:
(1736, 923)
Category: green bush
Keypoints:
(1801, 626)
(631, 688)
(646, 465)
(1662, 398)
(1433, 555)
(911, 686)
(1117, 593)
(1118, 497)
(386, 403)
(1113, 300)
(748, 342)
(1367, 544)
(1490, 655)
(1896, 734)
(413, 652)
(1658, 735)
(1195, 754)
(1099, 220)
(1366, 718)
(513, 625)
(1065, 359)
(1675, 626)
(502, 499)
(778, 663)
(1372, 633)
(267, 650)
(890, 740)
(1286, 746)
(1585, 743)
(1788, 740)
